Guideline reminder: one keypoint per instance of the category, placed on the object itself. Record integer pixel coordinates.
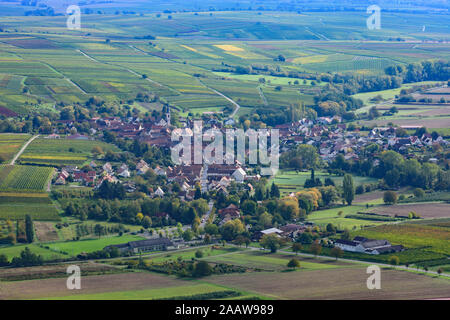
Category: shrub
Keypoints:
(3, 261)
(199, 254)
(419, 193)
(202, 269)
(394, 260)
(293, 263)
(336, 252)
(359, 189)
(390, 197)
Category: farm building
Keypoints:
(157, 244)
(369, 246)
(275, 231)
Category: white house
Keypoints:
(108, 168)
(346, 245)
(124, 173)
(159, 192)
(159, 171)
(239, 175)
(369, 246)
(275, 231)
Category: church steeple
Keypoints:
(168, 116)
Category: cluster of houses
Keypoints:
(331, 142)
(155, 132)
(214, 177)
(288, 231)
(368, 246)
(95, 175)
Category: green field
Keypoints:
(15, 206)
(149, 294)
(24, 178)
(324, 217)
(61, 152)
(292, 181)
(388, 94)
(10, 144)
(435, 239)
(14, 251)
(59, 65)
(189, 254)
(265, 261)
(73, 248)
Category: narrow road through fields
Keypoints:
(263, 97)
(13, 161)
(236, 105)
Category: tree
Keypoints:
(109, 190)
(330, 228)
(316, 248)
(296, 247)
(305, 238)
(349, 189)
(202, 269)
(373, 113)
(419, 193)
(345, 235)
(329, 194)
(293, 263)
(198, 193)
(97, 150)
(146, 222)
(394, 260)
(303, 157)
(249, 207)
(188, 235)
(211, 229)
(289, 208)
(29, 228)
(231, 229)
(390, 197)
(27, 259)
(270, 241)
(265, 220)
(336, 252)
(3, 260)
(240, 240)
(274, 191)
(199, 254)
(99, 230)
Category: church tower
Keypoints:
(168, 116)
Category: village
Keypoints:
(330, 136)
